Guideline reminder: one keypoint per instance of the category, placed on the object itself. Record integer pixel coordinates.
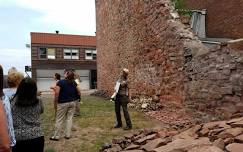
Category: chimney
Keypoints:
(57, 32)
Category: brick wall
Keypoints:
(165, 59)
(143, 37)
(224, 18)
(59, 62)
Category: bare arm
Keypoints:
(57, 91)
(53, 87)
(79, 90)
(39, 93)
(4, 138)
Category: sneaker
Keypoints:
(117, 126)
(67, 137)
(54, 139)
(76, 115)
(74, 128)
(127, 128)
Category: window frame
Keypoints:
(47, 55)
(92, 54)
(40, 53)
(71, 56)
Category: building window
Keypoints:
(90, 54)
(94, 54)
(71, 54)
(51, 53)
(47, 53)
(42, 53)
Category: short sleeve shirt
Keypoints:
(68, 91)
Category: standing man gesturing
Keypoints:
(122, 99)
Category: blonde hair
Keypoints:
(12, 69)
(14, 78)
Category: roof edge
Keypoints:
(61, 34)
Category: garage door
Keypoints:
(44, 84)
(85, 79)
(45, 79)
(85, 85)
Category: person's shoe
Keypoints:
(127, 128)
(54, 139)
(74, 128)
(117, 126)
(76, 115)
(67, 137)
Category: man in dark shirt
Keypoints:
(122, 99)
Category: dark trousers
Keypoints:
(31, 145)
(122, 101)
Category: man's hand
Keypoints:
(39, 93)
(129, 99)
(123, 83)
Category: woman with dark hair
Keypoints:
(57, 76)
(4, 135)
(26, 110)
(67, 94)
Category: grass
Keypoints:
(181, 7)
(93, 127)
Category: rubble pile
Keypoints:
(146, 104)
(219, 136)
(101, 93)
(175, 118)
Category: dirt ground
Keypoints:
(93, 128)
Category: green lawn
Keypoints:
(93, 128)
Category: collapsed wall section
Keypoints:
(143, 37)
(164, 58)
(216, 81)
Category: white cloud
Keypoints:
(14, 58)
(68, 16)
(74, 15)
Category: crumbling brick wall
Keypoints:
(216, 80)
(165, 59)
(143, 37)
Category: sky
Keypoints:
(20, 17)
